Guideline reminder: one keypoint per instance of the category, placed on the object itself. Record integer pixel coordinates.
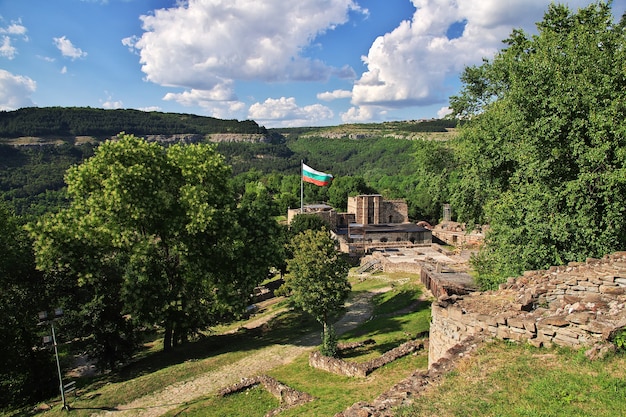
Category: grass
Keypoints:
(253, 402)
(155, 369)
(504, 379)
(334, 392)
(500, 379)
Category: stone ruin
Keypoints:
(361, 370)
(581, 305)
(287, 396)
(578, 305)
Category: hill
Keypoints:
(72, 122)
(37, 145)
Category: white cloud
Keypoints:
(150, 108)
(220, 92)
(220, 101)
(362, 114)
(6, 49)
(443, 112)
(200, 44)
(285, 112)
(68, 49)
(15, 91)
(409, 65)
(15, 29)
(334, 95)
(112, 104)
(64, 70)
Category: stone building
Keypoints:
(373, 209)
(370, 222)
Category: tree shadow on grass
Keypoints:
(285, 327)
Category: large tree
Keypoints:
(318, 280)
(26, 372)
(545, 144)
(154, 235)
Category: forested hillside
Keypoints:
(384, 158)
(86, 121)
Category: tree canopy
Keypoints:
(318, 278)
(26, 373)
(544, 149)
(155, 236)
(87, 121)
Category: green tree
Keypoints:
(152, 235)
(26, 372)
(318, 280)
(344, 187)
(545, 147)
(304, 222)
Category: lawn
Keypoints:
(155, 369)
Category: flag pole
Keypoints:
(301, 186)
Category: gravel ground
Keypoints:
(172, 396)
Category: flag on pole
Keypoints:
(315, 177)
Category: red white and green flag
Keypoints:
(315, 177)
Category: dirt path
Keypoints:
(171, 397)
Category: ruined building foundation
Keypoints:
(578, 305)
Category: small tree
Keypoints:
(318, 281)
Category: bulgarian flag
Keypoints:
(315, 177)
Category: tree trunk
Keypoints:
(167, 338)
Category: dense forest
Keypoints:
(86, 121)
(31, 178)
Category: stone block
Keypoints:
(517, 334)
(485, 319)
(620, 281)
(597, 327)
(516, 322)
(571, 299)
(557, 321)
(503, 332)
(565, 340)
(580, 317)
(436, 310)
(605, 289)
(545, 330)
(530, 326)
(571, 332)
(455, 313)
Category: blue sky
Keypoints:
(280, 63)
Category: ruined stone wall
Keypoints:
(577, 305)
(411, 267)
(373, 209)
(394, 211)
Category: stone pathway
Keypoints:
(259, 362)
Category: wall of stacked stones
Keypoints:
(578, 305)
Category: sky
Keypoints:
(281, 63)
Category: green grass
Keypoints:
(253, 402)
(155, 369)
(500, 379)
(335, 393)
(504, 379)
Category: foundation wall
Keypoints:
(578, 305)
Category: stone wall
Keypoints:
(578, 305)
(441, 282)
(287, 396)
(361, 370)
